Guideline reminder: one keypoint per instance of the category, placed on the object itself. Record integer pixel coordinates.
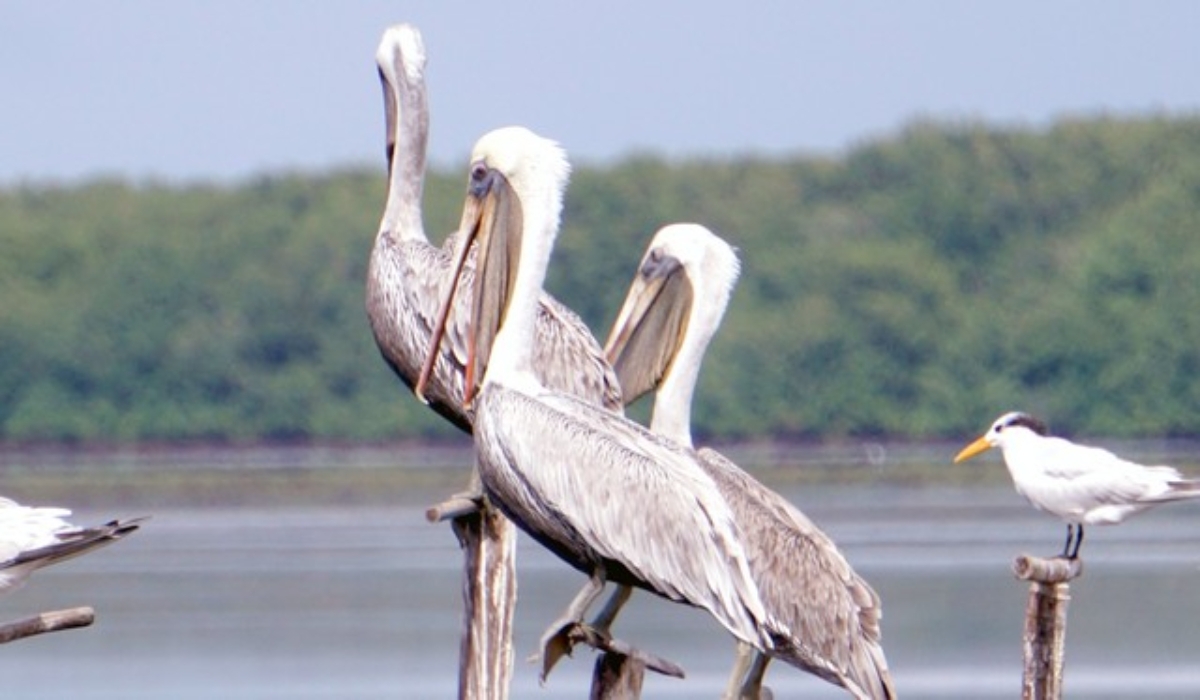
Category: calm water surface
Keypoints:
(330, 601)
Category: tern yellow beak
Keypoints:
(980, 445)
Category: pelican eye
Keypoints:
(653, 260)
(479, 179)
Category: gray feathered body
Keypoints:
(828, 615)
(405, 284)
(602, 492)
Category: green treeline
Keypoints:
(915, 287)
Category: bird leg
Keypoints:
(556, 640)
(560, 639)
(746, 678)
(1074, 535)
(742, 660)
(604, 619)
(1066, 553)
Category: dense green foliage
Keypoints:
(915, 287)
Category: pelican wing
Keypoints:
(568, 359)
(404, 288)
(830, 613)
(610, 487)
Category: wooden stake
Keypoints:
(1044, 642)
(52, 621)
(488, 540)
(617, 677)
(489, 543)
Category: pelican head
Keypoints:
(514, 200)
(683, 285)
(1002, 430)
(401, 62)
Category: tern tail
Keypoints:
(1178, 490)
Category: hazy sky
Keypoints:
(221, 89)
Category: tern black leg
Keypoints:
(1066, 553)
(1078, 541)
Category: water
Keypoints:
(329, 600)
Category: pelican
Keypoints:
(1080, 484)
(607, 496)
(407, 275)
(33, 537)
(673, 308)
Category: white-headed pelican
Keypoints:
(32, 537)
(673, 308)
(1080, 484)
(606, 495)
(407, 275)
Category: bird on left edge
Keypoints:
(33, 537)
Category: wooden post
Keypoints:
(485, 661)
(52, 621)
(620, 668)
(1044, 641)
(617, 677)
(489, 543)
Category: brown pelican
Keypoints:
(603, 493)
(32, 537)
(406, 279)
(1080, 484)
(407, 276)
(674, 306)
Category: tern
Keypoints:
(1082, 485)
(33, 537)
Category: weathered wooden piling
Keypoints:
(488, 541)
(1045, 634)
(617, 677)
(489, 544)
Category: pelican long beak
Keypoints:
(650, 326)
(491, 221)
(980, 445)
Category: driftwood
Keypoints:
(52, 621)
(1044, 640)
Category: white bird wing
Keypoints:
(25, 528)
(33, 537)
(1099, 476)
(633, 497)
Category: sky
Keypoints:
(223, 90)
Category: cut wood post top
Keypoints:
(1049, 571)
